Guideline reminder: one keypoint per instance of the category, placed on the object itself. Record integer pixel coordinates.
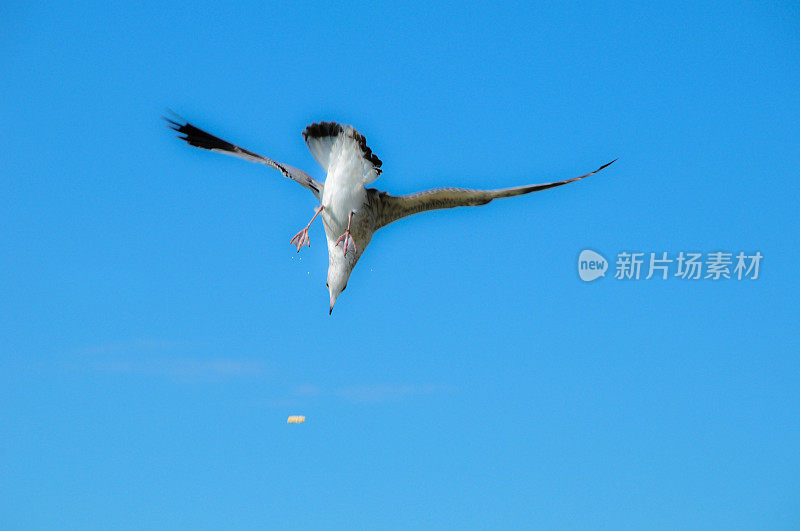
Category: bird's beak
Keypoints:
(331, 310)
(333, 301)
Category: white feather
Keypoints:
(344, 187)
(320, 149)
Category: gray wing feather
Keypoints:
(195, 136)
(393, 208)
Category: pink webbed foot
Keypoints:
(300, 239)
(347, 242)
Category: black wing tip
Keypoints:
(365, 150)
(322, 129)
(194, 136)
(174, 122)
(606, 165)
(172, 118)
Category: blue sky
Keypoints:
(158, 328)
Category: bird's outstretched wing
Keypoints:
(392, 208)
(197, 137)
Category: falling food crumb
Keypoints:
(296, 419)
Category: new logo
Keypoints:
(591, 265)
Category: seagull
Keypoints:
(351, 213)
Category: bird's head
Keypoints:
(339, 269)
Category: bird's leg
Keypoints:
(346, 239)
(301, 238)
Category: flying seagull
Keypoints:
(351, 212)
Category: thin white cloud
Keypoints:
(389, 392)
(362, 394)
(137, 346)
(185, 369)
(307, 390)
(176, 360)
